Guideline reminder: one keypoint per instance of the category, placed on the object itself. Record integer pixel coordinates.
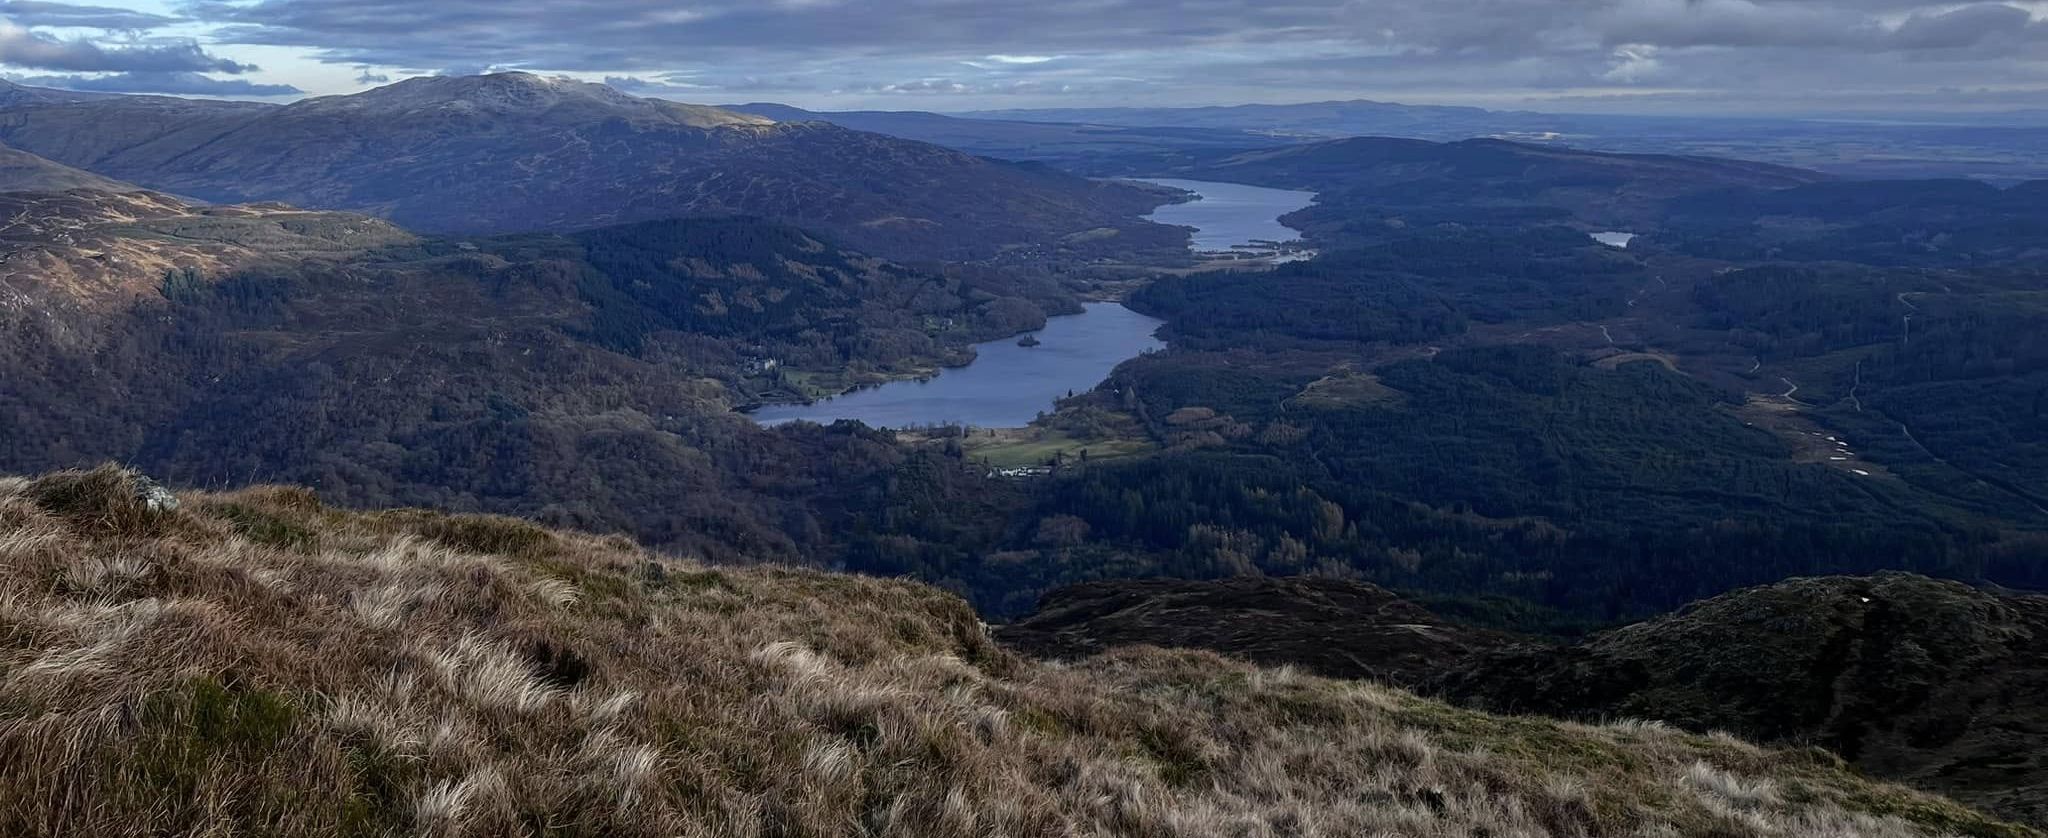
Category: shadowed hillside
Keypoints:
(515, 152)
(1926, 682)
(21, 171)
(258, 663)
(1335, 628)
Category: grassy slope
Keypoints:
(254, 663)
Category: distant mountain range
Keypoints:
(1070, 143)
(1315, 120)
(2004, 147)
(514, 151)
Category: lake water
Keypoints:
(1232, 216)
(1007, 386)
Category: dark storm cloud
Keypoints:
(174, 83)
(1190, 50)
(20, 47)
(39, 13)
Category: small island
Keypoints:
(1028, 341)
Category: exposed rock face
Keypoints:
(1334, 628)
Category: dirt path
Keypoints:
(1996, 484)
(1793, 388)
(1857, 386)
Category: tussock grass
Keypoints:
(255, 664)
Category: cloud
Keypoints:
(367, 77)
(1967, 27)
(174, 83)
(1744, 23)
(20, 47)
(39, 13)
(850, 52)
(652, 87)
(1634, 63)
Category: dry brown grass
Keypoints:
(255, 664)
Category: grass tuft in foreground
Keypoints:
(254, 663)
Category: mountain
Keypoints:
(86, 129)
(1929, 683)
(21, 171)
(2004, 148)
(1312, 120)
(12, 94)
(1073, 146)
(515, 152)
(259, 662)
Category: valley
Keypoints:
(1525, 427)
(1009, 384)
(1236, 222)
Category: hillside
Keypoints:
(1930, 683)
(258, 663)
(12, 94)
(21, 171)
(1367, 178)
(589, 378)
(1331, 627)
(94, 249)
(1957, 223)
(1924, 682)
(515, 152)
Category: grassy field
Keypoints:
(1018, 447)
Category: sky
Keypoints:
(1622, 56)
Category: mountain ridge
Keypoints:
(21, 171)
(517, 152)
